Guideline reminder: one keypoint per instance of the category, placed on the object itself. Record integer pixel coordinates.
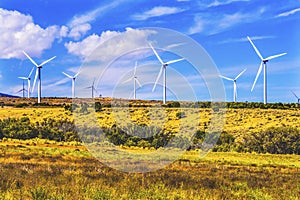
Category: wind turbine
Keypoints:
(28, 82)
(93, 88)
(164, 71)
(263, 63)
(22, 90)
(296, 97)
(135, 80)
(73, 81)
(38, 74)
(234, 84)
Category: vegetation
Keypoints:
(58, 130)
(256, 156)
(249, 127)
(42, 169)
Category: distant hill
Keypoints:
(8, 95)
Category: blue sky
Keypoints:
(71, 30)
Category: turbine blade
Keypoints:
(128, 80)
(79, 71)
(24, 78)
(36, 75)
(257, 75)
(295, 95)
(174, 61)
(138, 82)
(240, 74)
(160, 60)
(134, 72)
(230, 79)
(275, 56)
(19, 91)
(256, 50)
(157, 78)
(43, 63)
(95, 89)
(30, 59)
(30, 72)
(67, 75)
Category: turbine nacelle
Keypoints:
(135, 80)
(234, 83)
(163, 70)
(38, 74)
(262, 65)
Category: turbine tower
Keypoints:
(93, 88)
(38, 74)
(296, 97)
(263, 64)
(22, 90)
(234, 84)
(28, 82)
(164, 71)
(73, 81)
(135, 80)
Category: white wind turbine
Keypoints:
(234, 84)
(296, 97)
(164, 71)
(135, 80)
(28, 82)
(38, 74)
(73, 81)
(92, 87)
(22, 90)
(263, 63)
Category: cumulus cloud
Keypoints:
(80, 24)
(156, 12)
(80, 30)
(131, 39)
(63, 31)
(19, 32)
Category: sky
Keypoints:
(117, 34)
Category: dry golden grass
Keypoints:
(43, 170)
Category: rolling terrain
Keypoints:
(61, 167)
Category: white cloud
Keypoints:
(291, 12)
(87, 46)
(198, 25)
(131, 39)
(156, 12)
(230, 20)
(80, 24)
(63, 31)
(212, 24)
(18, 32)
(79, 31)
(226, 2)
(244, 39)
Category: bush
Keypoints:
(58, 130)
(275, 140)
(174, 104)
(180, 115)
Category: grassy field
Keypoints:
(39, 169)
(44, 169)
